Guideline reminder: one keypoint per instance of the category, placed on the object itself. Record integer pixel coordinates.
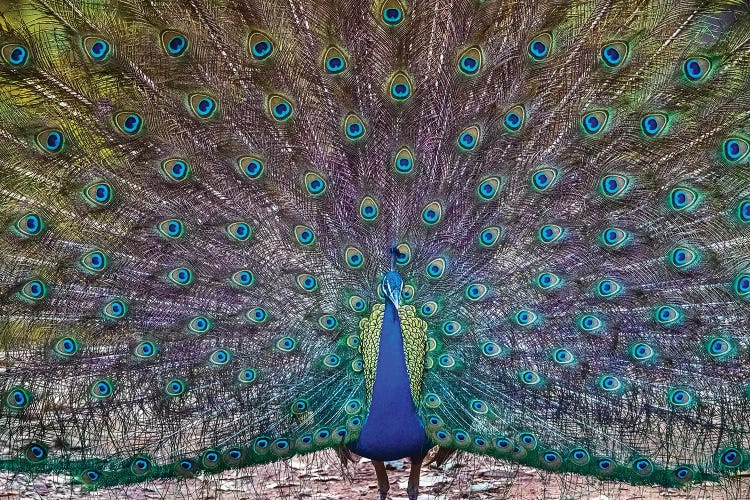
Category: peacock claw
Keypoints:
(383, 494)
(413, 493)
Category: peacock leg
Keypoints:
(412, 488)
(383, 485)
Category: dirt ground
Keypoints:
(321, 478)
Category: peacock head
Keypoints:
(393, 285)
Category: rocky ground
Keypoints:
(320, 478)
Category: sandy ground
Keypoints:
(321, 478)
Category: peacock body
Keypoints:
(239, 231)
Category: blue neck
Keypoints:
(392, 429)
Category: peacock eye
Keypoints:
(590, 323)
(469, 138)
(407, 293)
(491, 349)
(667, 315)
(199, 324)
(354, 127)
(128, 123)
(470, 61)
(307, 282)
(548, 281)
(257, 315)
(736, 149)
(530, 377)
(731, 458)
(742, 285)
(614, 54)
(563, 357)
(102, 389)
(683, 258)
(489, 236)
(202, 105)
(608, 288)
(115, 309)
(14, 54)
(451, 328)
(171, 229)
(400, 86)
(328, 322)
(239, 231)
(314, 184)
(642, 352)
(175, 387)
(251, 167)
(392, 12)
(544, 178)
(354, 257)
(219, 357)
(614, 185)
(428, 309)
(719, 348)
(50, 141)
(175, 169)
(98, 194)
(29, 225)
(334, 61)
(680, 397)
(180, 276)
(580, 457)
(436, 268)
(488, 188)
(94, 261)
(610, 383)
(145, 350)
(368, 209)
(643, 467)
(743, 211)
(17, 399)
(654, 125)
(66, 347)
(36, 452)
(357, 303)
(525, 317)
(696, 69)
(279, 107)
(97, 49)
(514, 118)
(174, 43)
(247, 375)
(683, 475)
(614, 237)
(244, 278)
(432, 213)
(304, 235)
(286, 344)
(475, 291)
(595, 122)
(540, 47)
(33, 291)
(550, 233)
(403, 162)
(402, 254)
(261, 46)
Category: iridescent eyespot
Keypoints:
(128, 123)
(244, 278)
(251, 167)
(489, 236)
(175, 169)
(605, 466)
(432, 213)
(286, 344)
(234, 456)
(246, 376)
(594, 122)
(551, 460)
(735, 149)
(304, 235)
(614, 237)
(614, 54)
(98, 194)
(436, 268)
(315, 184)
(491, 349)
(181, 276)
(590, 323)
(684, 258)
(428, 309)
(32, 291)
(580, 457)
(469, 138)
(447, 361)
(91, 477)
(563, 357)
(174, 43)
(354, 127)
(368, 208)
(407, 293)
(504, 445)
(514, 118)
(171, 229)
(220, 357)
(14, 54)
(115, 309)
(279, 108)
(681, 398)
(451, 328)
(175, 387)
(145, 350)
(403, 162)
(185, 468)
(544, 178)
(470, 61)
(742, 285)
(475, 291)
(431, 400)
(614, 185)
(102, 389)
(51, 141)
(610, 384)
(140, 466)
(719, 348)
(328, 322)
(530, 377)
(199, 324)
(357, 303)
(683, 198)
(488, 188)
(239, 231)
(478, 406)
(392, 12)
(642, 352)
(548, 281)
(667, 315)
(525, 317)
(354, 257)
(307, 282)
(654, 125)
(29, 225)
(17, 399)
(550, 233)
(66, 347)
(683, 475)
(540, 47)
(400, 86)
(97, 49)
(261, 47)
(731, 458)
(743, 211)
(210, 459)
(334, 60)
(36, 452)
(696, 69)
(257, 315)
(643, 467)
(202, 105)
(94, 261)
(402, 254)
(608, 288)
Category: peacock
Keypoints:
(238, 231)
